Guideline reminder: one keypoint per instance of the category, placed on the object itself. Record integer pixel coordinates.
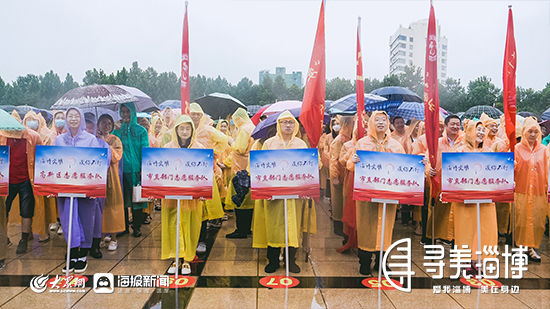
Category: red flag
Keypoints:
(360, 86)
(185, 97)
(313, 106)
(431, 97)
(509, 82)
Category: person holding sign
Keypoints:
(133, 137)
(368, 214)
(465, 215)
(210, 138)
(183, 136)
(22, 146)
(85, 208)
(440, 214)
(530, 198)
(269, 228)
(337, 172)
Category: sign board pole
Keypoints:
(384, 203)
(178, 199)
(285, 198)
(478, 202)
(308, 247)
(71, 197)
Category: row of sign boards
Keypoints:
(189, 172)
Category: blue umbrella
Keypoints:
(395, 93)
(262, 128)
(170, 103)
(414, 110)
(348, 104)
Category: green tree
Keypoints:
(265, 92)
(390, 80)
(452, 95)
(529, 100)
(68, 84)
(481, 91)
(295, 93)
(413, 80)
(338, 87)
(279, 88)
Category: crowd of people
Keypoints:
(98, 222)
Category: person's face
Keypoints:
(105, 126)
(158, 126)
(543, 130)
(59, 116)
(399, 124)
(493, 129)
(144, 123)
(287, 126)
(167, 114)
(125, 114)
(453, 126)
(223, 127)
(90, 127)
(415, 131)
(184, 131)
(441, 129)
(196, 117)
(532, 135)
(73, 119)
(480, 133)
(381, 123)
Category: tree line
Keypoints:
(43, 90)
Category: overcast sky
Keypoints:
(238, 38)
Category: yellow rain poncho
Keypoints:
(190, 212)
(158, 139)
(240, 155)
(269, 218)
(465, 215)
(225, 151)
(209, 137)
(368, 214)
(531, 177)
(337, 170)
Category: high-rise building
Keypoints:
(294, 78)
(408, 47)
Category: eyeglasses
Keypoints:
(287, 122)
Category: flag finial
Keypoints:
(509, 6)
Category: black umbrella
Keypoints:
(395, 93)
(476, 111)
(219, 105)
(529, 114)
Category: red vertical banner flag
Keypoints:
(185, 97)
(431, 97)
(360, 86)
(509, 82)
(313, 105)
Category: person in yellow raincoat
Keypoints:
(441, 213)
(336, 171)
(269, 223)
(225, 157)
(44, 207)
(325, 153)
(240, 158)
(465, 215)
(22, 148)
(169, 118)
(158, 135)
(183, 136)
(530, 198)
(210, 138)
(368, 214)
(113, 211)
(58, 122)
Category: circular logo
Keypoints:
(373, 283)
(476, 283)
(38, 283)
(278, 282)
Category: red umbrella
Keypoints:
(256, 118)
